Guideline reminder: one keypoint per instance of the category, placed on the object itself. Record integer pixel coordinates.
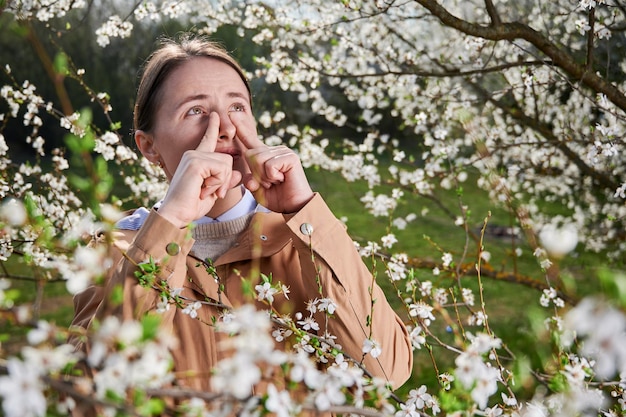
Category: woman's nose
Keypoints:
(227, 128)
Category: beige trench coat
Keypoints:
(276, 244)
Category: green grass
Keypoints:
(514, 312)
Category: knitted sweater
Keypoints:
(214, 239)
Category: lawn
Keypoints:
(513, 308)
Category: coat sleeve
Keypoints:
(159, 241)
(347, 281)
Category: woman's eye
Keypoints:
(195, 111)
(237, 107)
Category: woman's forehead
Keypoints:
(207, 74)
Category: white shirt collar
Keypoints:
(246, 205)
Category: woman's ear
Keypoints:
(145, 143)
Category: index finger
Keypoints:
(246, 129)
(209, 140)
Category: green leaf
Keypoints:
(614, 285)
(452, 401)
(105, 183)
(60, 64)
(558, 383)
(266, 278)
(246, 288)
(78, 145)
(150, 326)
(117, 295)
(113, 396)
(80, 182)
(152, 407)
(12, 294)
(34, 214)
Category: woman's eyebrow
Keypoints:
(237, 94)
(187, 99)
(232, 94)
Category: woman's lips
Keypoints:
(235, 153)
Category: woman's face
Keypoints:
(191, 92)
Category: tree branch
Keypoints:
(487, 270)
(57, 79)
(515, 30)
(601, 180)
(590, 36)
(415, 70)
(493, 14)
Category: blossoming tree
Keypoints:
(524, 100)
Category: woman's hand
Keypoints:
(202, 177)
(277, 178)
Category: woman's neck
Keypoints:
(222, 205)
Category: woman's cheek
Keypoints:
(242, 120)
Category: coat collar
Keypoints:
(266, 236)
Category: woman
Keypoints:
(253, 212)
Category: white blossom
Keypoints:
(417, 337)
(309, 323)
(422, 311)
(13, 212)
(163, 305)
(389, 240)
(22, 390)
(372, 347)
(326, 304)
(113, 28)
(602, 330)
(280, 403)
(265, 291)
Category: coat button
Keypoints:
(172, 248)
(263, 237)
(306, 229)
